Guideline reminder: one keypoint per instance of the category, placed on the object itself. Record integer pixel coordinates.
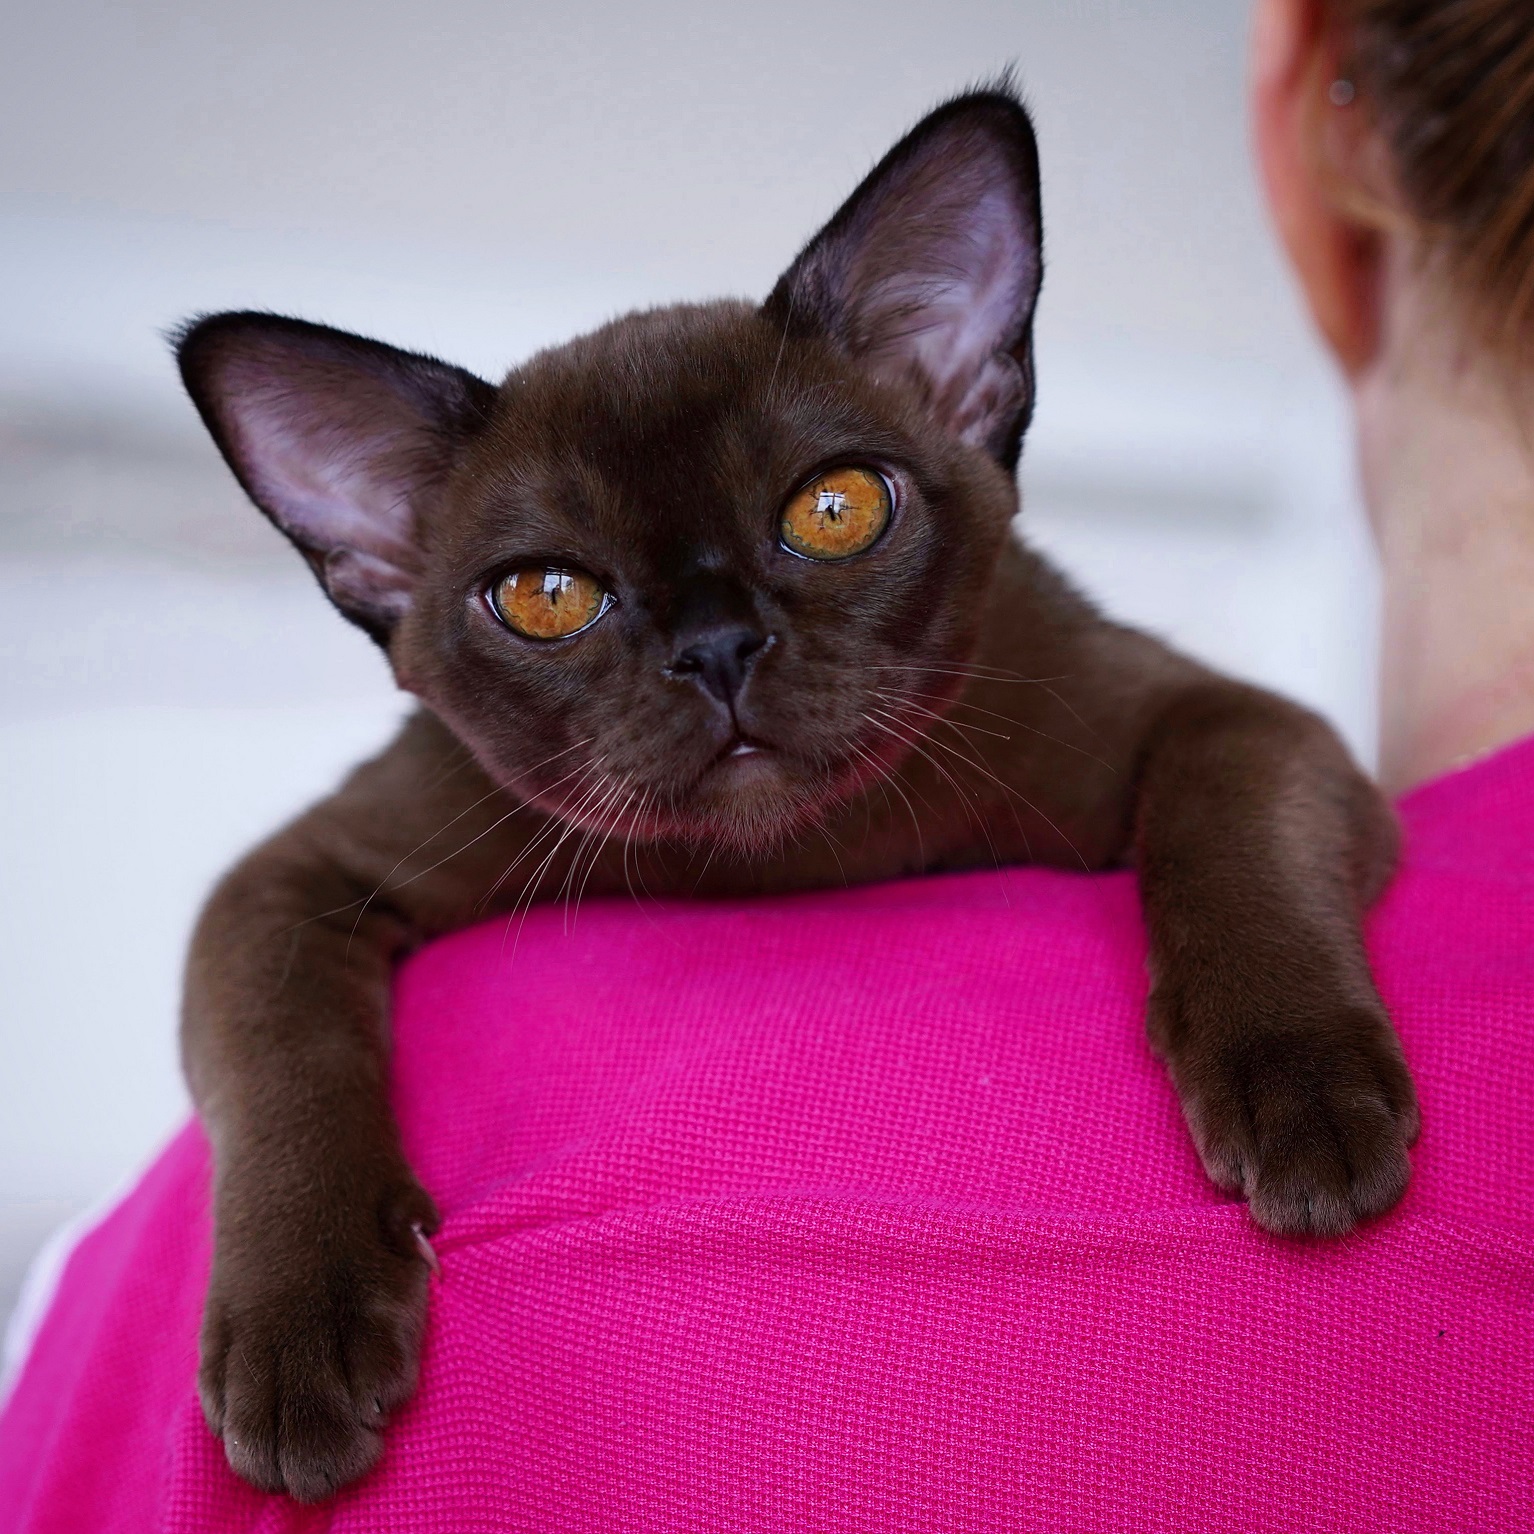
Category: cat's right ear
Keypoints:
(344, 443)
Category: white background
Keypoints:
(478, 179)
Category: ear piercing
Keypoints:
(1341, 93)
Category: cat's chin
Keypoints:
(746, 769)
(747, 802)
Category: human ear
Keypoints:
(1314, 147)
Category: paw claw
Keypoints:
(425, 1248)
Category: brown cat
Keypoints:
(725, 580)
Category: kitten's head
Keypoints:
(691, 574)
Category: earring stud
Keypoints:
(1341, 93)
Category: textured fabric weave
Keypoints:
(872, 1211)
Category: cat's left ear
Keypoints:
(930, 271)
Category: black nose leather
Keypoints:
(719, 659)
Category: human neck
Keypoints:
(1449, 475)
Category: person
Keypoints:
(871, 1210)
(1397, 144)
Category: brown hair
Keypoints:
(1450, 84)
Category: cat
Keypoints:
(725, 579)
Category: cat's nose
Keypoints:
(719, 659)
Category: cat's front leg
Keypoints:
(317, 1298)
(1259, 846)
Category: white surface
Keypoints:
(118, 817)
(668, 149)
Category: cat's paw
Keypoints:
(1310, 1122)
(311, 1337)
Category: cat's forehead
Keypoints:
(664, 407)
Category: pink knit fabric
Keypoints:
(872, 1211)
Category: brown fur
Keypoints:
(941, 701)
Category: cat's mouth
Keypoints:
(740, 745)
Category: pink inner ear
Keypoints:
(964, 273)
(358, 580)
(977, 314)
(328, 467)
(340, 456)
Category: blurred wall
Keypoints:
(676, 148)
(478, 179)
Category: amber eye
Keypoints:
(545, 603)
(837, 515)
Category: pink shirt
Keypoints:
(872, 1211)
